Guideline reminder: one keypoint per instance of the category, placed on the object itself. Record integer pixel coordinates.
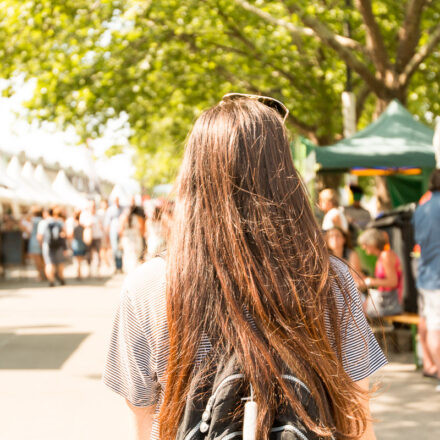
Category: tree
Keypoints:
(161, 62)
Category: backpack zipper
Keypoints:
(211, 401)
(290, 428)
(296, 380)
(193, 431)
(224, 382)
(277, 429)
(234, 434)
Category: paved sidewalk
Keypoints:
(406, 407)
(52, 349)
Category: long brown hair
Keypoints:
(245, 242)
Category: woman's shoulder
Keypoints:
(389, 256)
(145, 287)
(345, 288)
(339, 267)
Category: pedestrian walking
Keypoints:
(79, 248)
(112, 227)
(333, 213)
(131, 232)
(248, 288)
(25, 224)
(427, 235)
(155, 233)
(34, 246)
(93, 233)
(53, 240)
(105, 242)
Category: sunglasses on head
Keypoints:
(278, 106)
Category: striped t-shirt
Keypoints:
(138, 352)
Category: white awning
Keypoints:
(23, 193)
(43, 182)
(67, 191)
(121, 193)
(43, 196)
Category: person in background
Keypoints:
(34, 246)
(26, 229)
(426, 222)
(79, 248)
(333, 214)
(131, 231)
(385, 295)
(42, 224)
(53, 239)
(112, 227)
(137, 210)
(155, 231)
(339, 245)
(356, 215)
(167, 220)
(105, 242)
(8, 221)
(69, 225)
(93, 233)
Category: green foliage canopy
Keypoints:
(162, 62)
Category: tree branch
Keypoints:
(297, 30)
(409, 33)
(361, 97)
(420, 56)
(375, 43)
(276, 21)
(236, 33)
(328, 38)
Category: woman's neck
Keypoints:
(339, 252)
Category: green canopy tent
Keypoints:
(396, 140)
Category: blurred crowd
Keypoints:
(349, 236)
(120, 238)
(113, 236)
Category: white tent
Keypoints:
(43, 181)
(7, 193)
(121, 193)
(4, 179)
(41, 195)
(23, 193)
(68, 192)
(41, 177)
(162, 190)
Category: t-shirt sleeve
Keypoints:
(361, 353)
(128, 368)
(41, 227)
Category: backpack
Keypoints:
(215, 410)
(53, 236)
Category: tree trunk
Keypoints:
(381, 105)
(382, 194)
(329, 180)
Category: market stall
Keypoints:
(399, 147)
(67, 191)
(396, 145)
